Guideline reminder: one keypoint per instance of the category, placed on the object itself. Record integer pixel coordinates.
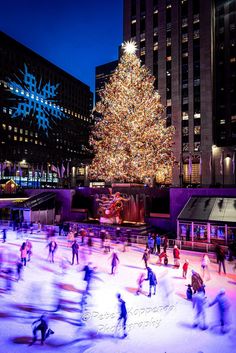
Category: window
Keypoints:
(185, 147)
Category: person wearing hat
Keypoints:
(197, 282)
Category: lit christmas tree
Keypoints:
(131, 141)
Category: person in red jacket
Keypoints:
(176, 256)
(185, 268)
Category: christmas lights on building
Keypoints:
(131, 141)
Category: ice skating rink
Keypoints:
(162, 323)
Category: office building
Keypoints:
(189, 46)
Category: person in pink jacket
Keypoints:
(23, 253)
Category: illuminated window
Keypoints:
(168, 102)
(185, 131)
(15, 138)
(26, 139)
(21, 138)
(197, 146)
(197, 130)
(184, 116)
(4, 109)
(9, 127)
(4, 126)
(222, 121)
(168, 58)
(21, 131)
(196, 34)
(185, 147)
(184, 38)
(36, 142)
(15, 129)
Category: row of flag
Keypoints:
(190, 164)
(61, 170)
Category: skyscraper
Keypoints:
(189, 45)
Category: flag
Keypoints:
(58, 172)
(53, 168)
(190, 165)
(233, 163)
(221, 163)
(200, 166)
(68, 169)
(63, 169)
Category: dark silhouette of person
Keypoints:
(52, 246)
(221, 259)
(41, 325)
(114, 262)
(75, 252)
(123, 315)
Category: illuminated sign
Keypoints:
(35, 100)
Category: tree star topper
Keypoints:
(130, 47)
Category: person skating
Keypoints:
(23, 253)
(221, 259)
(140, 281)
(223, 307)
(41, 325)
(165, 243)
(185, 268)
(205, 266)
(75, 252)
(29, 247)
(176, 255)
(151, 277)
(19, 269)
(158, 243)
(146, 257)
(197, 282)
(122, 316)
(199, 304)
(52, 246)
(114, 262)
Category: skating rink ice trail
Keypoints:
(86, 321)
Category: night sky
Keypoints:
(76, 35)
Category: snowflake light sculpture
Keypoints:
(35, 100)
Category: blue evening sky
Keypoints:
(76, 35)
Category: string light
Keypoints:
(131, 142)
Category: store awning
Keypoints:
(209, 209)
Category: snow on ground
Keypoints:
(162, 323)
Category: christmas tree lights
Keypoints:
(131, 142)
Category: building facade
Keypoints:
(45, 114)
(103, 73)
(189, 46)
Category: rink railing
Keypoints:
(142, 240)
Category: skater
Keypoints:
(158, 243)
(122, 316)
(185, 268)
(102, 237)
(189, 292)
(43, 327)
(23, 253)
(114, 262)
(176, 256)
(29, 247)
(223, 306)
(75, 252)
(151, 277)
(163, 255)
(90, 242)
(205, 266)
(39, 227)
(4, 235)
(146, 257)
(165, 243)
(19, 269)
(197, 282)
(88, 272)
(140, 281)
(150, 243)
(52, 246)
(107, 242)
(221, 259)
(199, 304)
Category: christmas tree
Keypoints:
(131, 141)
